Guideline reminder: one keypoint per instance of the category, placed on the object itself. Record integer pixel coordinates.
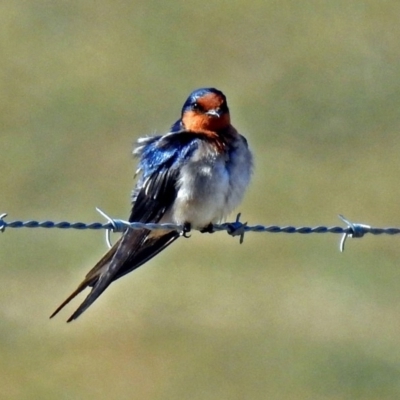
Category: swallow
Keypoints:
(192, 176)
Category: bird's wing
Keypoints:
(153, 196)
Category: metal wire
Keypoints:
(236, 228)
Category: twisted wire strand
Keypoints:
(118, 225)
(236, 228)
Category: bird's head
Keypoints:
(205, 110)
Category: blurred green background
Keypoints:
(315, 87)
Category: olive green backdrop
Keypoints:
(315, 87)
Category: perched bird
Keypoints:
(194, 176)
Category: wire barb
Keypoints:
(2, 222)
(115, 226)
(108, 231)
(354, 230)
(237, 228)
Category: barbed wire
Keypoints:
(236, 228)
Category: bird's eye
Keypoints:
(197, 107)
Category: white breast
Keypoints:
(212, 184)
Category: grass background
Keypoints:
(315, 87)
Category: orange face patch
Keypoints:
(197, 120)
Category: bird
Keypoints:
(193, 176)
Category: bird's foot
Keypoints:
(208, 229)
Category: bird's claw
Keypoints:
(208, 229)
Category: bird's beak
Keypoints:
(214, 113)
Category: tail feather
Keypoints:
(132, 250)
(81, 287)
(90, 279)
(125, 265)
